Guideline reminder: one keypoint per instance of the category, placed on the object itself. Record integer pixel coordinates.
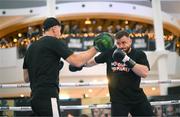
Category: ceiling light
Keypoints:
(19, 34)
(88, 21)
(153, 88)
(14, 40)
(90, 90)
(126, 22)
(22, 95)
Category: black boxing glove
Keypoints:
(61, 64)
(74, 68)
(120, 56)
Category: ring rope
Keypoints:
(93, 106)
(89, 84)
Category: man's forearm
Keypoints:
(141, 70)
(91, 63)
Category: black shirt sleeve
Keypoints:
(142, 59)
(62, 49)
(25, 66)
(101, 58)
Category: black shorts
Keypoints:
(43, 107)
(139, 109)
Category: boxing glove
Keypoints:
(103, 42)
(74, 68)
(120, 56)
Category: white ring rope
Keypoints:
(75, 107)
(89, 84)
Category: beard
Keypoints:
(127, 50)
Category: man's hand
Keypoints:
(120, 56)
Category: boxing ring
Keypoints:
(87, 84)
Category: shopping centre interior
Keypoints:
(21, 25)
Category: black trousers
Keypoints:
(139, 109)
(43, 107)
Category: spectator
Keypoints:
(66, 29)
(99, 29)
(158, 111)
(170, 111)
(127, 29)
(117, 28)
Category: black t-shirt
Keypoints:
(42, 61)
(124, 84)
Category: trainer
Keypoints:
(42, 64)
